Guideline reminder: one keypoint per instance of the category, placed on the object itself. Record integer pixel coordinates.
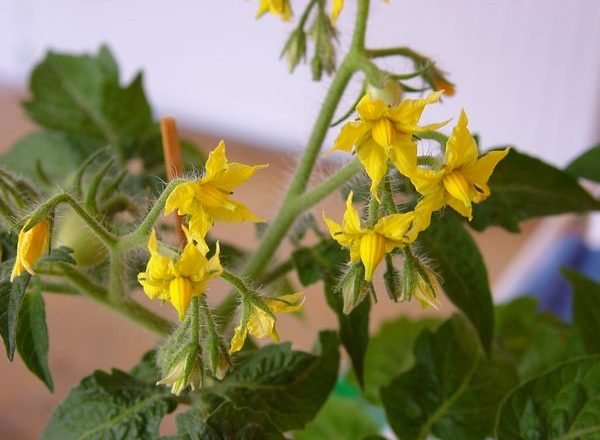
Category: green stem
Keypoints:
(373, 215)
(290, 208)
(127, 308)
(116, 276)
(319, 192)
(142, 232)
(393, 51)
(387, 197)
(108, 238)
(237, 283)
(196, 319)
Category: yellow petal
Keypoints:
(199, 224)
(395, 226)
(458, 187)
(479, 172)
(180, 291)
(235, 174)
(383, 132)
(461, 149)
(260, 324)
(460, 207)
(374, 158)
(370, 109)
(372, 249)
(238, 339)
(191, 262)
(351, 222)
(406, 115)
(215, 164)
(181, 199)
(289, 303)
(336, 8)
(30, 247)
(236, 212)
(403, 154)
(350, 135)
(426, 182)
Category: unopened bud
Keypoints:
(182, 371)
(294, 50)
(418, 281)
(218, 358)
(353, 287)
(390, 93)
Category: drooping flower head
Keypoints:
(463, 177)
(178, 279)
(209, 199)
(259, 320)
(369, 245)
(279, 8)
(384, 132)
(30, 247)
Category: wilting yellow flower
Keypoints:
(463, 177)
(177, 280)
(261, 323)
(30, 247)
(208, 199)
(370, 244)
(336, 9)
(279, 8)
(384, 132)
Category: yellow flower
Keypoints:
(260, 321)
(463, 177)
(384, 132)
(370, 244)
(30, 247)
(279, 8)
(177, 280)
(208, 199)
(336, 9)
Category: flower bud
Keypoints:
(294, 50)
(418, 281)
(182, 371)
(30, 247)
(390, 93)
(218, 358)
(353, 287)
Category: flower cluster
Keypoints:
(203, 202)
(384, 136)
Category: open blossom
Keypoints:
(462, 179)
(384, 132)
(30, 247)
(369, 245)
(209, 199)
(261, 323)
(178, 280)
(279, 8)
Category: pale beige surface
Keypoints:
(84, 336)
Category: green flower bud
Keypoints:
(353, 287)
(390, 93)
(294, 50)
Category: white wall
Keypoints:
(527, 71)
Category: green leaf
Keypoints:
(226, 423)
(146, 369)
(451, 392)
(463, 275)
(333, 421)
(115, 405)
(534, 341)
(319, 262)
(562, 404)
(523, 187)
(586, 309)
(274, 385)
(81, 95)
(58, 154)
(11, 299)
(390, 352)
(587, 165)
(32, 336)
(353, 328)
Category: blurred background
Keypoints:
(526, 72)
